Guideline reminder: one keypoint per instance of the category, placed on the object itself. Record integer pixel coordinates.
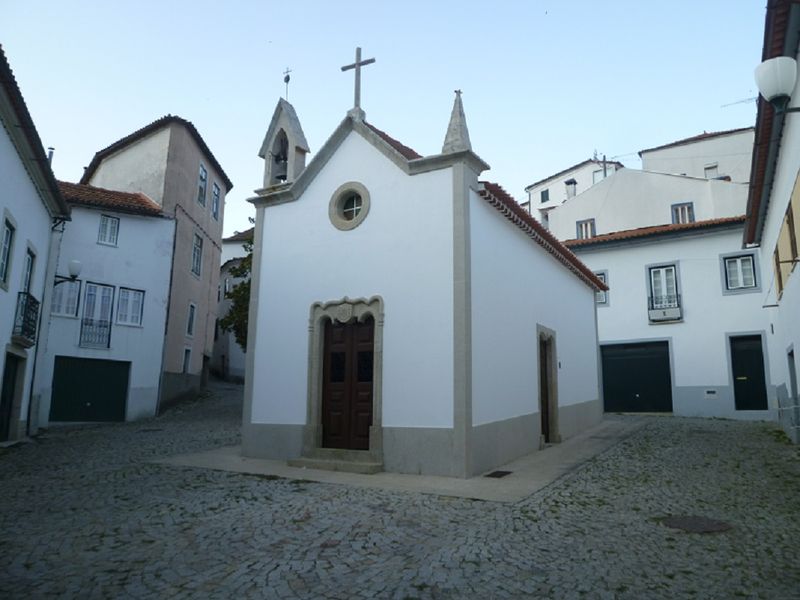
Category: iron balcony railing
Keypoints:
(664, 308)
(95, 333)
(26, 319)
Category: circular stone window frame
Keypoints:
(336, 206)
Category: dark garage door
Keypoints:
(636, 377)
(86, 389)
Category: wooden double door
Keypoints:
(347, 372)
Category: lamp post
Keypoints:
(74, 269)
(776, 79)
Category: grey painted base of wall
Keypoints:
(276, 442)
(420, 451)
(577, 418)
(694, 401)
(494, 444)
(176, 387)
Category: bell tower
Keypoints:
(284, 148)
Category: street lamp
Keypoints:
(775, 79)
(74, 269)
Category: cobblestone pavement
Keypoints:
(83, 515)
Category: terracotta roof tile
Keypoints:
(654, 230)
(241, 236)
(88, 195)
(407, 152)
(495, 195)
(147, 130)
(696, 138)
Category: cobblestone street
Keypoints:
(86, 515)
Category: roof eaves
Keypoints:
(706, 135)
(575, 167)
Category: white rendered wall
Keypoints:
(402, 251)
(584, 177)
(131, 264)
(139, 167)
(699, 346)
(232, 250)
(732, 154)
(21, 204)
(785, 317)
(516, 285)
(632, 199)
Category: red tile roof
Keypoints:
(654, 230)
(88, 195)
(696, 138)
(619, 165)
(496, 196)
(241, 236)
(407, 152)
(147, 130)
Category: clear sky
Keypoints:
(545, 82)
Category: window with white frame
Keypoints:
(129, 307)
(109, 230)
(187, 359)
(585, 229)
(96, 323)
(65, 297)
(5, 252)
(711, 171)
(740, 272)
(190, 319)
(601, 297)
(202, 183)
(215, 191)
(197, 255)
(683, 212)
(663, 287)
(27, 274)
(227, 285)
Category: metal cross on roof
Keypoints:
(357, 66)
(286, 79)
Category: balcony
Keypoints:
(662, 309)
(25, 320)
(95, 333)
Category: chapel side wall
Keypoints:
(518, 290)
(784, 318)
(402, 252)
(139, 167)
(22, 205)
(699, 345)
(112, 265)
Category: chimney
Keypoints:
(50, 151)
(572, 186)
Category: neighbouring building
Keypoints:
(772, 227)
(550, 192)
(169, 162)
(228, 361)
(711, 155)
(103, 355)
(32, 206)
(681, 328)
(451, 355)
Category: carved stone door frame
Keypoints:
(343, 311)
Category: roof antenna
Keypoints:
(286, 79)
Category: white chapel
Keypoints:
(405, 315)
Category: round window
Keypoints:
(349, 205)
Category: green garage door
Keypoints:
(636, 377)
(86, 389)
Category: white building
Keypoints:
(710, 155)
(681, 328)
(773, 212)
(103, 356)
(550, 192)
(31, 204)
(228, 361)
(405, 316)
